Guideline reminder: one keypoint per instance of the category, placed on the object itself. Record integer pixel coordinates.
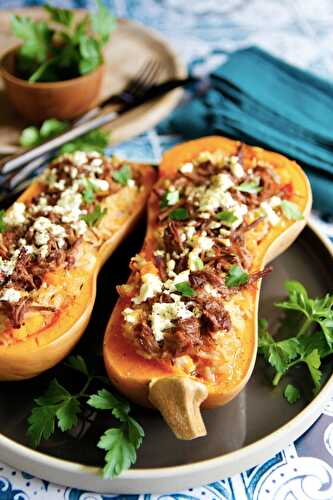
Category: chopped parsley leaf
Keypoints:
(291, 210)
(226, 216)
(3, 225)
(236, 277)
(185, 289)
(291, 393)
(95, 216)
(249, 187)
(123, 175)
(180, 213)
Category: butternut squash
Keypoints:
(46, 336)
(203, 184)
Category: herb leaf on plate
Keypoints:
(291, 393)
(58, 407)
(305, 334)
(121, 444)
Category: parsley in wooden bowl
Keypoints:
(57, 70)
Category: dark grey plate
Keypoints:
(256, 413)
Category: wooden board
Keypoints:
(131, 45)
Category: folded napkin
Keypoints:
(261, 100)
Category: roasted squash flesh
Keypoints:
(219, 213)
(54, 241)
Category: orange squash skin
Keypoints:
(53, 340)
(130, 372)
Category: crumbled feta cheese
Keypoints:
(164, 314)
(268, 211)
(237, 169)
(222, 181)
(210, 290)
(151, 285)
(80, 227)
(131, 183)
(216, 196)
(7, 266)
(131, 315)
(79, 158)
(10, 295)
(190, 232)
(239, 211)
(43, 251)
(73, 172)
(171, 266)
(205, 243)
(15, 215)
(100, 184)
(194, 262)
(59, 185)
(69, 206)
(41, 238)
(274, 201)
(57, 230)
(187, 168)
(178, 278)
(160, 253)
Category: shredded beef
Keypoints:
(214, 316)
(184, 339)
(171, 237)
(160, 264)
(145, 341)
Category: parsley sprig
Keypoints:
(58, 408)
(60, 48)
(311, 322)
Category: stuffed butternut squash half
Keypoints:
(184, 330)
(53, 242)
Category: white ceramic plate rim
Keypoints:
(182, 476)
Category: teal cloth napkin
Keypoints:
(259, 99)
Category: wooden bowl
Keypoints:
(39, 101)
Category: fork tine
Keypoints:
(136, 80)
(146, 80)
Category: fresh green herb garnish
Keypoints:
(89, 191)
(236, 277)
(59, 408)
(96, 140)
(180, 213)
(198, 263)
(123, 175)
(291, 393)
(169, 198)
(306, 334)
(249, 187)
(121, 444)
(63, 49)
(185, 289)
(58, 15)
(291, 210)
(3, 225)
(95, 216)
(226, 216)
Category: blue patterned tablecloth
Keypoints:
(204, 32)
